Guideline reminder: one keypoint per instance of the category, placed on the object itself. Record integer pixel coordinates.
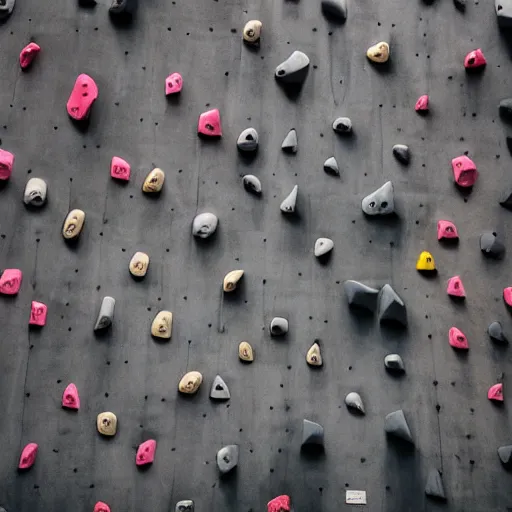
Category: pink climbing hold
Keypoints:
(475, 59)
(446, 229)
(6, 164)
(209, 123)
(83, 95)
(101, 507)
(38, 313)
(458, 339)
(496, 392)
(146, 453)
(455, 287)
(173, 84)
(120, 169)
(507, 296)
(279, 504)
(464, 171)
(28, 456)
(70, 398)
(422, 104)
(28, 54)
(10, 282)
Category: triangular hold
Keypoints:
(331, 166)
(434, 487)
(396, 425)
(289, 144)
(391, 307)
(219, 390)
(496, 392)
(455, 287)
(209, 124)
(70, 398)
(312, 433)
(290, 201)
(505, 455)
(457, 339)
(361, 296)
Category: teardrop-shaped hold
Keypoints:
(28, 456)
(190, 382)
(457, 339)
(475, 60)
(391, 307)
(73, 224)
(342, 125)
(278, 326)
(173, 84)
(28, 54)
(154, 181)
(6, 8)
(35, 192)
(139, 264)
(6, 164)
(491, 246)
(227, 458)
(394, 363)
(83, 95)
(464, 170)
(245, 352)
(505, 455)
(10, 281)
(402, 153)
(146, 453)
(314, 356)
(312, 433)
(505, 109)
(380, 202)
(361, 296)
(279, 504)
(323, 246)
(425, 262)
(106, 423)
(184, 506)
(204, 225)
(101, 507)
(335, 9)
(289, 203)
(434, 486)
(219, 389)
(331, 166)
(507, 201)
(38, 313)
(379, 52)
(290, 142)
(209, 124)
(252, 32)
(396, 425)
(455, 287)
(446, 230)
(248, 140)
(252, 184)
(120, 169)
(495, 331)
(106, 314)
(496, 392)
(354, 401)
(422, 104)
(231, 280)
(294, 69)
(70, 398)
(162, 325)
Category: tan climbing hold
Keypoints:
(252, 32)
(162, 325)
(378, 52)
(73, 224)
(245, 352)
(154, 181)
(231, 280)
(139, 264)
(314, 357)
(190, 383)
(107, 423)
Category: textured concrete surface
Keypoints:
(136, 377)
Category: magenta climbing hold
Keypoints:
(83, 95)
(120, 169)
(422, 104)
(10, 282)
(279, 504)
(209, 124)
(455, 287)
(146, 453)
(475, 59)
(38, 313)
(28, 54)
(70, 398)
(173, 84)
(507, 296)
(446, 229)
(496, 392)
(458, 339)
(464, 171)
(28, 456)
(101, 507)
(6, 164)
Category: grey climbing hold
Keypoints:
(391, 307)
(505, 455)
(184, 506)
(35, 191)
(460, 5)
(331, 166)
(360, 295)
(106, 314)
(342, 125)
(6, 8)
(354, 401)
(380, 202)
(289, 144)
(289, 203)
(219, 390)
(252, 184)
(204, 225)
(312, 433)
(294, 69)
(491, 246)
(323, 246)
(248, 140)
(394, 363)
(434, 487)
(278, 326)
(396, 425)
(227, 458)
(495, 331)
(402, 153)
(504, 13)
(505, 109)
(335, 9)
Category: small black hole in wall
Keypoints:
(108, 363)
(27, 395)
(106, 395)
(289, 367)
(162, 399)
(271, 408)
(69, 329)
(281, 385)
(98, 287)
(350, 367)
(204, 415)
(59, 381)
(75, 470)
(91, 486)
(271, 470)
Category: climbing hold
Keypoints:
(190, 382)
(342, 125)
(312, 433)
(6, 8)
(219, 389)
(83, 95)
(204, 225)
(460, 5)
(122, 8)
(106, 314)
(446, 230)
(173, 84)
(209, 124)
(379, 52)
(184, 506)
(294, 69)
(139, 264)
(146, 453)
(495, 331)
(360, 295)
(434, 486)
(394, 363)
(507, 201)
(380, 202)
(162, 325)
(35, 192)
(101, 507)
(10, 281)
(335, 9)
(455, 287)
(505, 109)
(245, 352)
(457, 339)
(464, 171)
(38, 312)
(231, 280)
(106, 423)
(354, 401)
(503, 13)
(279, 504)
(28, 54)
(290, 201)
(73, 224)
(278, 326)
(396, 425)
(402, 153)
(119, 169)
(289, 144)
(496, 392)
(391, 307)
(70, 398)
(154, 181)
(252, 32)
(422, 104)
(491, 246)
(331, 166)
(28, 456)
(6, 164)
(475, 60)
(252, 184)
(323, 246)
(314, 357)
(425, 262)
(227, 458)
(248, 140)
(505, 455)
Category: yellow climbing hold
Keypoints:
(425, 261)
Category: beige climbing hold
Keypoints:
(73, 224)
(139, 264)
(107, 423)
(252, 32)
(231, 280)
(162, 325)
(190, 382)
(245, 352)
(378, 52)
(154, 181)
(314, 357)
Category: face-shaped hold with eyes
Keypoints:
(204, 225)
(379, 52)
(252, 32)
(294, 69)
(6, 164)
(73, 224)
(28, 54)
(10, 282)
(154, 182)
(35, 192)
(70, 397)
(38, 312)
(475, 60)
(279, 504)
(83, 95)
(231, 280)
(380, 202)
(507, 296)
(173, 84)
(227, 458)
(446, 229)
(342, 125)
(314, 357)
(496, 392)
(455, 287)
(106, 314)
(106, 423)
(28, 456)
(209, 124)
(245, 352)
(457, 339)
(146, 453)
(184, 506)
(139, 264)
(190, 382)
(162, 325)
(425, 262)
(120, 169)
(464, 171)
(101, 507)
(422, 104)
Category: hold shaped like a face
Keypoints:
(35, 192)
(190, 382)
(173, 84)
(162, 325)
(73, 224)
(139, 264)
(10, 281)
(38, 312)
(83, 95)
(464, 171)
(314, 357)
(380, 202)
(425, 262)
(120, 169)
(185, 506)
(252, 32)
(204, 225)
(6, 164)
(154, 181)
(107, 423)
(146, 453)
(378, 52)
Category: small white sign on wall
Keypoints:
(355, 497)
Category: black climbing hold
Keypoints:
(331, 166)
(342, 125)
(505, 455)
(227, 458)
(460, 5)
(434, 487)
(289, 144)
(360, 295)
(505, 109)
(507, 201)
(391, 307)
(491, 246)
(504, 13)
(402, 153)
(335, 9)
(184, 506)
(396, 425)
(495, 331)
(312, 433)
(394, 363)
(252, 184)
(219, 390)
(294, 69)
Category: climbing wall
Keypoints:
(125, 370)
